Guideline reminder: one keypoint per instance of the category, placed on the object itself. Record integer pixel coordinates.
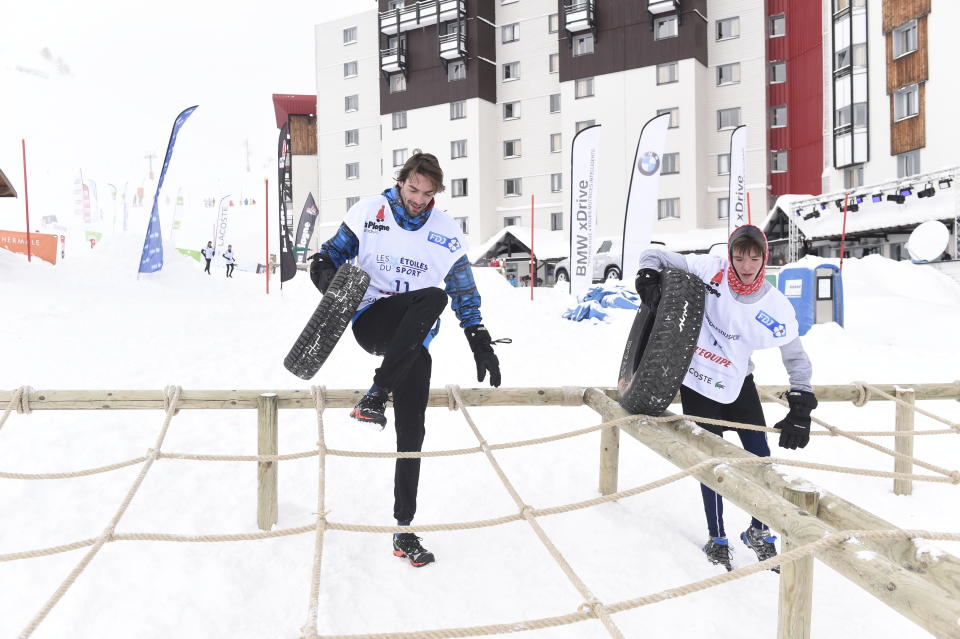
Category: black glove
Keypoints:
(483, 353)
(648, 286)
(795, 427)
(322, 271)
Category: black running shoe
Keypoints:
(370, 410)
(717, 550)
(408, 545)
(760, 541)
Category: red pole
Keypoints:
(266, 217)
(26, 196)
(843, 233)
(749, 214)
(533, 257)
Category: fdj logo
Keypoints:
(775, 327)
(450, 243)
(648, 163)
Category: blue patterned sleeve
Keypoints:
(464, 297)
(342, 247)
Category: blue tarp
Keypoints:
(593, 303)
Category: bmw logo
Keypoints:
(649, 163)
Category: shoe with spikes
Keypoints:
(760, 541)
(408, 545)
(370, 410)
(717, 550)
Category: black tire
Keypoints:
(612, 273)
(661, 344)
(561, 277)
(328, 322)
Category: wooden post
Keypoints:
(267, 470)
(796, 577)
(609, 459)
(904, 445)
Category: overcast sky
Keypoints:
(96, 86)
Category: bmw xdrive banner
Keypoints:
(584, 170)
(737, 213)
(288, 263)
(641, 213)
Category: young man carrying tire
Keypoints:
(409, 248)
(743, 313)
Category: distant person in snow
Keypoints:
(743, 313)
(231, 261)
(208, 253)
(411, 249)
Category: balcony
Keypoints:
(579, 15)
(393, 60)
(453, 46)
(656, 7)
(420, 14)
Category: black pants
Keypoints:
(746, 409)
(395, 327)
(230, 270)
(207, 269)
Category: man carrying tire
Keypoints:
(410, 249)
(743, 313)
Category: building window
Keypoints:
(778, 116)
(512, 187)
(583, 44)
(670, 163)
(349, 35)
(350, 69)
(511, 220)
(554, 62)
(510, 32)
(668, 208)
(399, 120)
(778, 72)
(728, 29)
(556, 143)
(582, 124)
(778, 161)
(908, 164)
(464, 223)
(778, 25)
(351, 137)
(905, 39)
(583, 88)
(399, 157)
(511, 110)
(556, 221)
(458, 149)
(350, 201)
(511, 71)
(398, 83)
(556, 182)
(553, 23)
(664, 28)
(728, 74)
(458, 187)
(554, 103)
(458, 110)
(728, 118)
(723, 208)
(456, 71)
(860, 55)
(723, 164)
(860, 114)
(667, 73)
(351, 103)
(906, 102)
(511, 148)
(674, 116)
(853, 177)
(353, 170)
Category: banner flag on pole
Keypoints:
(584, 190)
(641, 212)
(737, 201)
(288, 263)
(151, 260)
(308, 221)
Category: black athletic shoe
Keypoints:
(408, 545)
(717, 550)
(760, 542)
(370, 410)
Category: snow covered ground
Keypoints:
(90, 323)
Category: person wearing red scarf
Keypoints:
(743, 313)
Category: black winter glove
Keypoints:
(648, 286)
(322, 271)
(482, 348)
(795, 427)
